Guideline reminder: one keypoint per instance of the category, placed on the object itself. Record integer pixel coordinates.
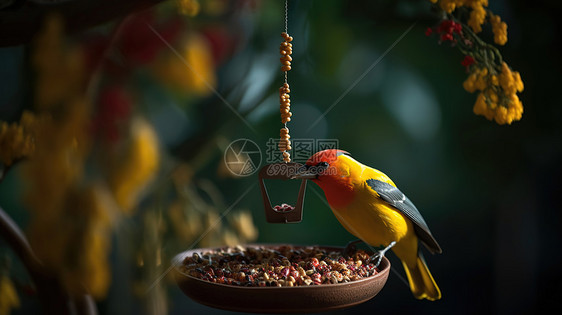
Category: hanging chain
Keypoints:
(286, 29)
(286, 49)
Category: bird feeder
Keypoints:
(282, 213)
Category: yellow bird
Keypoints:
(368, 204)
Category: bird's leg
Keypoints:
(350, 248)
(378, 256)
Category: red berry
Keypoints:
(457, 27)
(467, 61)
(447, 36)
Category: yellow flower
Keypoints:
(86, 269)
(229, 238)
(500, 113)
(201, 75)
(213, 226)
(506, 115)
(507, 81)
(499, 29)
(194, 72)
(492, 96)
(185, 222)
(516, 107)
(469, 83)
(16, 140)
(501, 116)
(448, 5)
(60, 70)
(215, 7)
(8, 296)
(243, 224)
(57, 163)
(480, 107)
(189, 7)
(477, 17)
(498, 99)
(74, 243)
(517, 81)
(131, 173)
(482, 80)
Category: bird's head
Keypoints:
(332, 170)
(322, 165)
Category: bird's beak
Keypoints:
(305, 173)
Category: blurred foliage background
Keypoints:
(132, 119)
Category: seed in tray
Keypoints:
(284, 208)
(280, 266)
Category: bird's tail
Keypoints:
(421, 281)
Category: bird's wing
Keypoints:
(394, 197)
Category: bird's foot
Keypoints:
(378, 256)
(350, 248)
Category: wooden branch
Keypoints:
(10, 232)
(51, 293)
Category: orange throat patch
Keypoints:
(339, 191)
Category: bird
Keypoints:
(370, 206)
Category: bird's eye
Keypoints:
(323, 165)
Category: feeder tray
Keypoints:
(298, 299)
(283, 171)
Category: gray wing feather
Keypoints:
(394, 197)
